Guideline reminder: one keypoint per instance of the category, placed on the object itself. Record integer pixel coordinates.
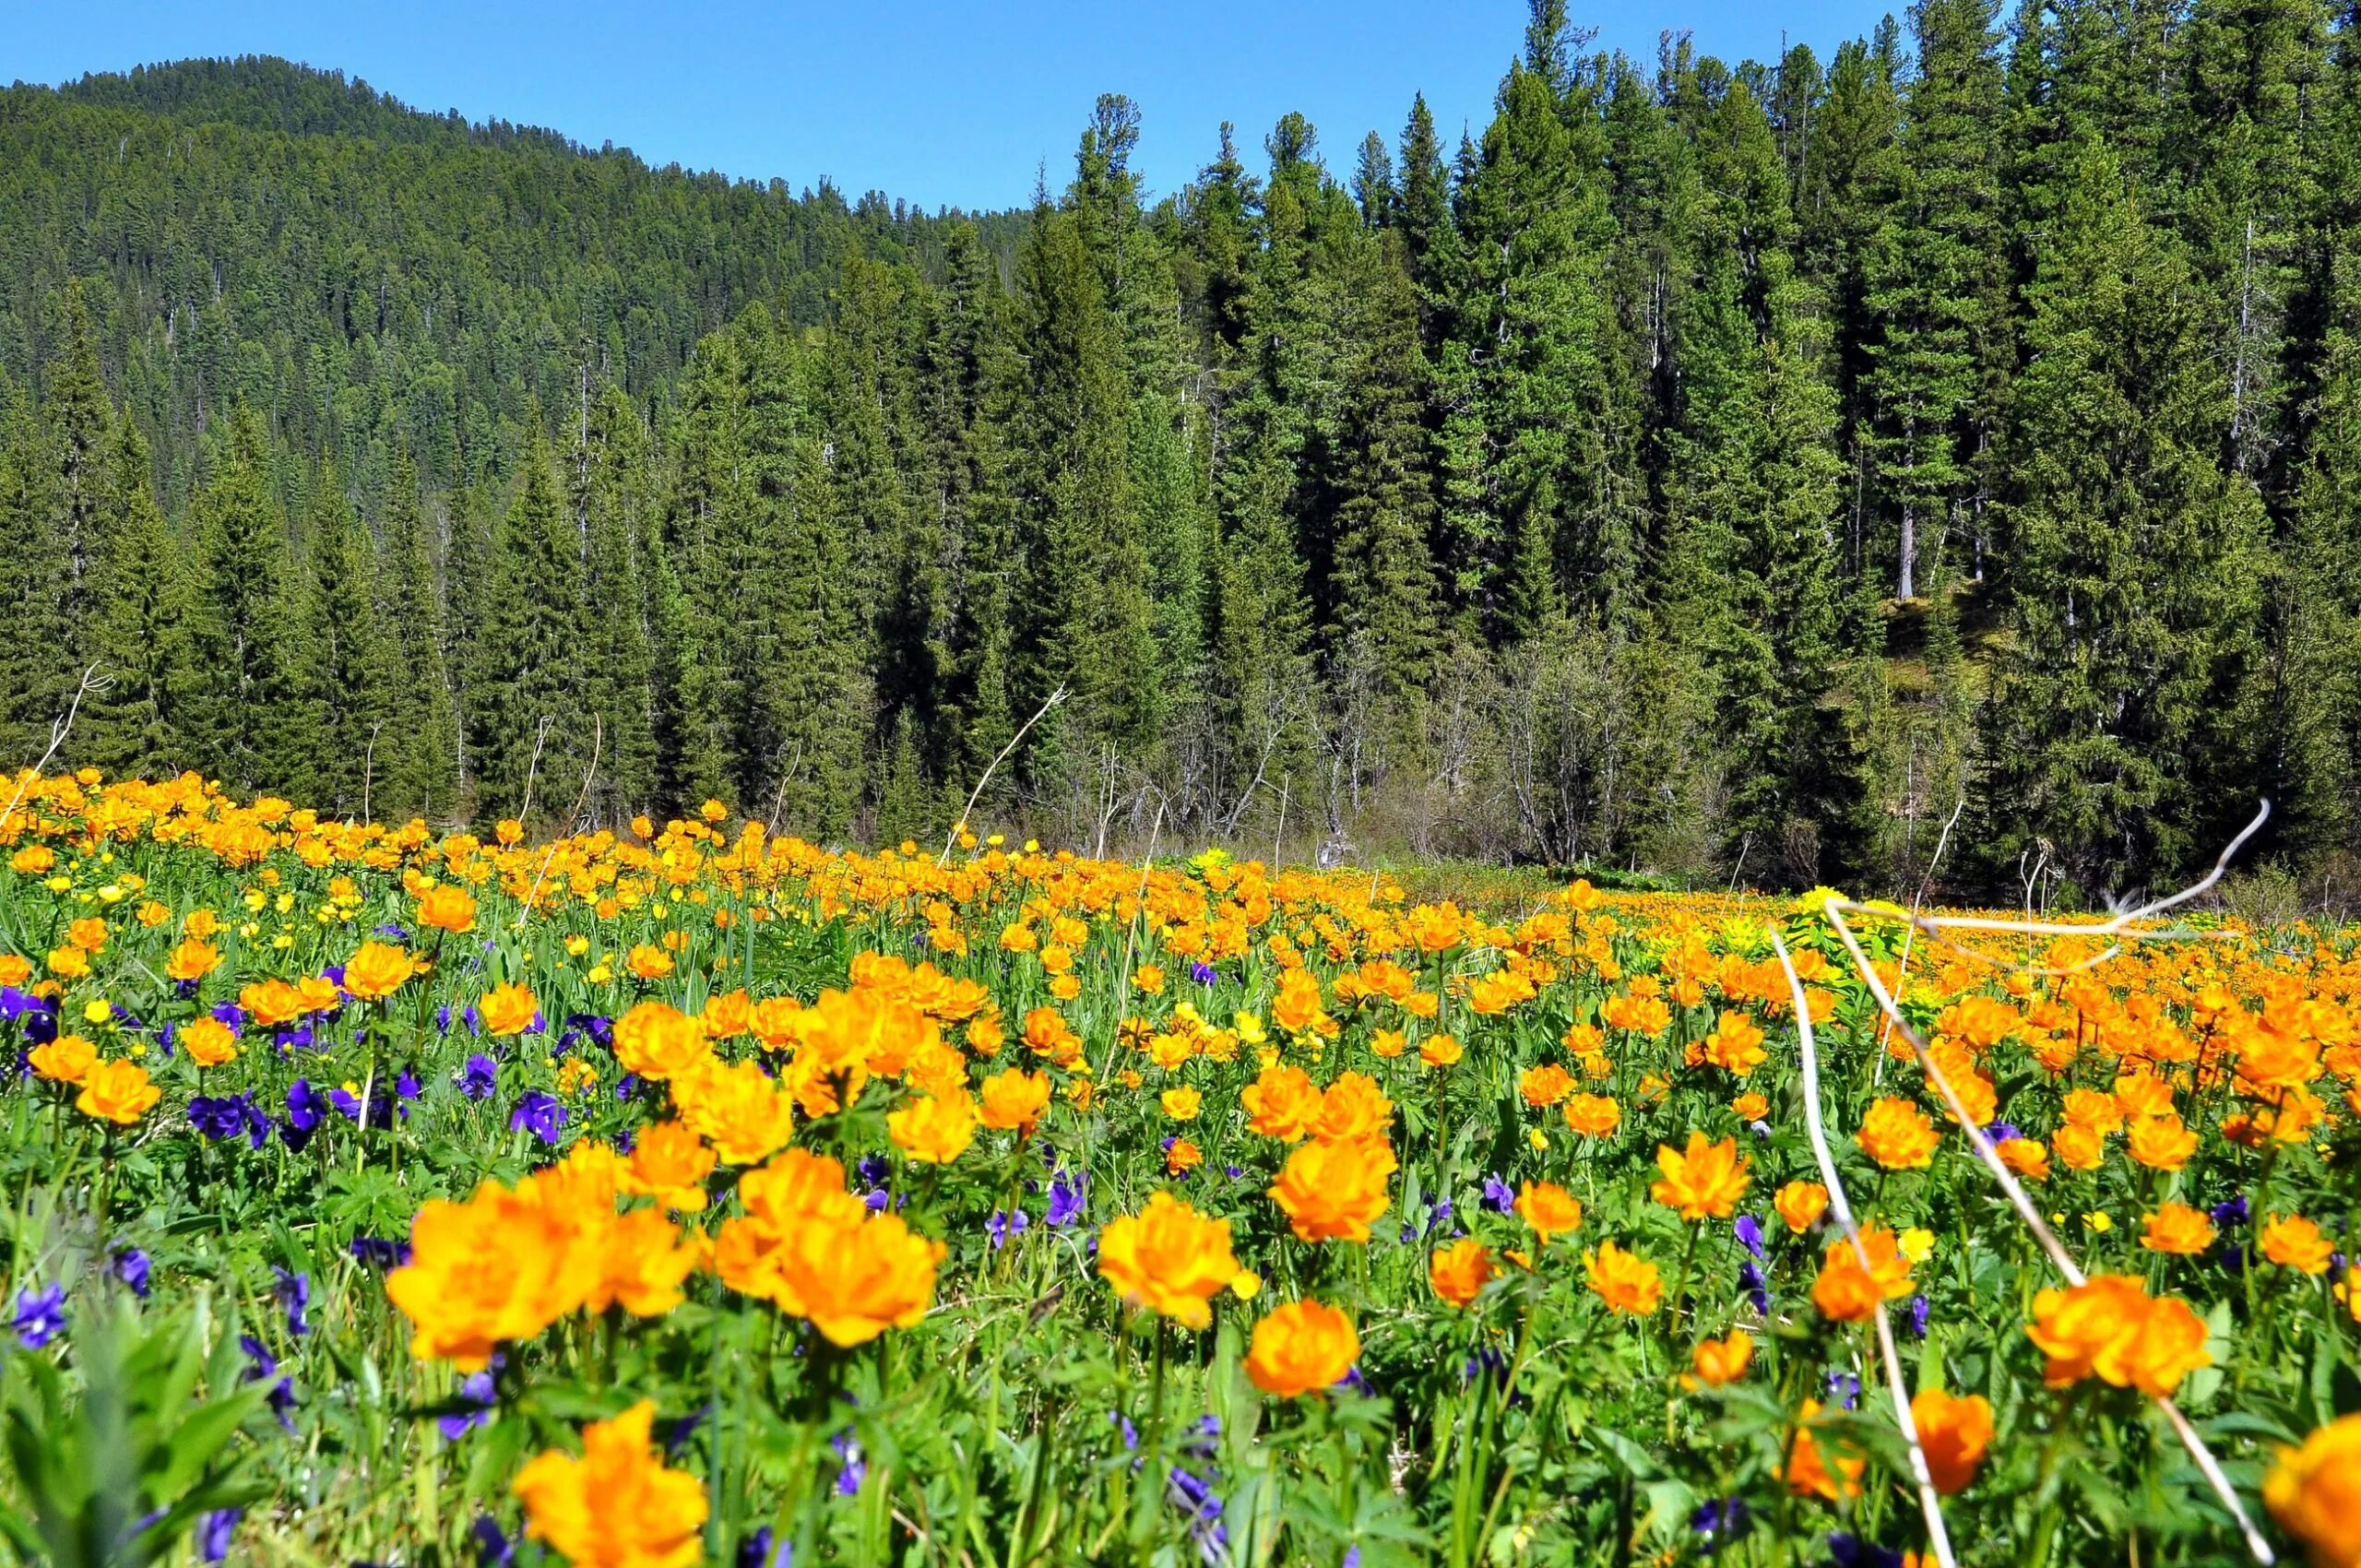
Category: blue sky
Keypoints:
(939, 103)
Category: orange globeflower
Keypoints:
(2315, 1494)
(1718, 1362)
(854, 1282)
(1181, 1104)
(2178, 1228)
(447, 909)
(1808, 1475)
(1545, 1085)
(647, 962)
(1897, 1134)
(931, 1130)
(2296, 1243)
(658, 1041)
(1845, 1292)
(617, 1506)
(1592, 1115)
(1180, 1156)
(2027, 1156)
(1014, 1098)
(1625, 1281)
(1353, 1106)
(2109, 1329)
(1953, 1432)
(1330, 1192)
(2160, 1142)
(2079, 1146)
(508, 1010)
(1170, 1259)
(1459, 1272)
(69, 962)
(192, 960)
(500, 1266)
(117, 1092)
(208, 1041)
(670, 1163)
(376, 970)
(1301, 1349)
(1282, 1103)
(1548, 1208)
(1704, 1181)
(1801, 1204)
(66, 1059)
(738, 1108)
(1440, 1050)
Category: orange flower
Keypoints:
(670, 1163)
(2161, 1142)
(1460, 1271)
(1718, 1362)
(2109, 1329)
(2027, 1156)
(1704, 1181)
(658, 1041)
(88, 934)
(737, 1108)
(1625, 1281)
(1545, 1085)
(617, 1506)
(208, 1041)
(447, 908)
(1181, 1104)
(192, 960)
(1845, 1292)
(66, 1059)
(376, 970)
(1296, 1007)
(2178, 1228)
(117, 1092)
(1015, 1098)
(1807, 1473)
(2296, 1243)
(1440, 1050)
(1301, 1349)
(508, 1010)
(2315, 1494)
(932, 1131)
(1282, 1103)
(1592, 1115)
(2094, 1109)
(500, 1266)
(2079, 1146)
(1170, 1259)
(1897, 1134)
(1736, 1045)
(1801, 1204)
(1953, 1433)
(648, 962)
(1330, 1192)
(1180, 1156)
(69, 962)
(1548, 1208)
(856, 1280)
(1751, 1107)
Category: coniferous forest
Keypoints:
(1727, 470)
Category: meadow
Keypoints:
(688, 1193)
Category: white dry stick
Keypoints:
(1917, 901)
(977, 793)
(1132, 930)
(91, 681)
(2020, 1200)
(1930, 1501)
(598, 737)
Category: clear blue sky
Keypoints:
(937, 101)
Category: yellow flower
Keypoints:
(1181, 1104)
(2178, 1228)
(1801, 1204)
(1331, 1190)
(507, 1010)
(1918, 1244)
(2293, 1241)
(447, 909)
(66, 1059)
(617, 1506)
(2315, 1494)
(1301, 1349)
(1170, 1259)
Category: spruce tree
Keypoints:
(140, 641)
(418, 749)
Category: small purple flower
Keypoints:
(1123, 1429)
(480, 1077)
(540, 1114)
(493, 1549)
(1069, 1198)
(1750, 1279)
(232, 1015)
(443, 1018)
(306, 1105)
(1749, 1234)
(754, 1551)
(1497, 1196)
(2001, 1132)
(2234, 1212)
(262, 1366)
(371, 1251)
(1844, 1388)
(1722, 1521)
(852, 1469)
(678, 1434)
(40, 1316)
(213, 1533)
(1851, 1551)
(876, 1169)
(628, 1085)
(293, 1291)
(1002, 1223)
(1918, 1311)
(1201, 972)
(476, 1398)
(131, 1267)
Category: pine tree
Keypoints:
(348, 679)
(242, 704)
(608, 487)
(420, 765)
(532, 739)
(140, 641)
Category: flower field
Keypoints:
(694, 1194)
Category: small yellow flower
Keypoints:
(1918, 1244)
(2098, 1222)
(97, 1011)
(1245, 1286)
